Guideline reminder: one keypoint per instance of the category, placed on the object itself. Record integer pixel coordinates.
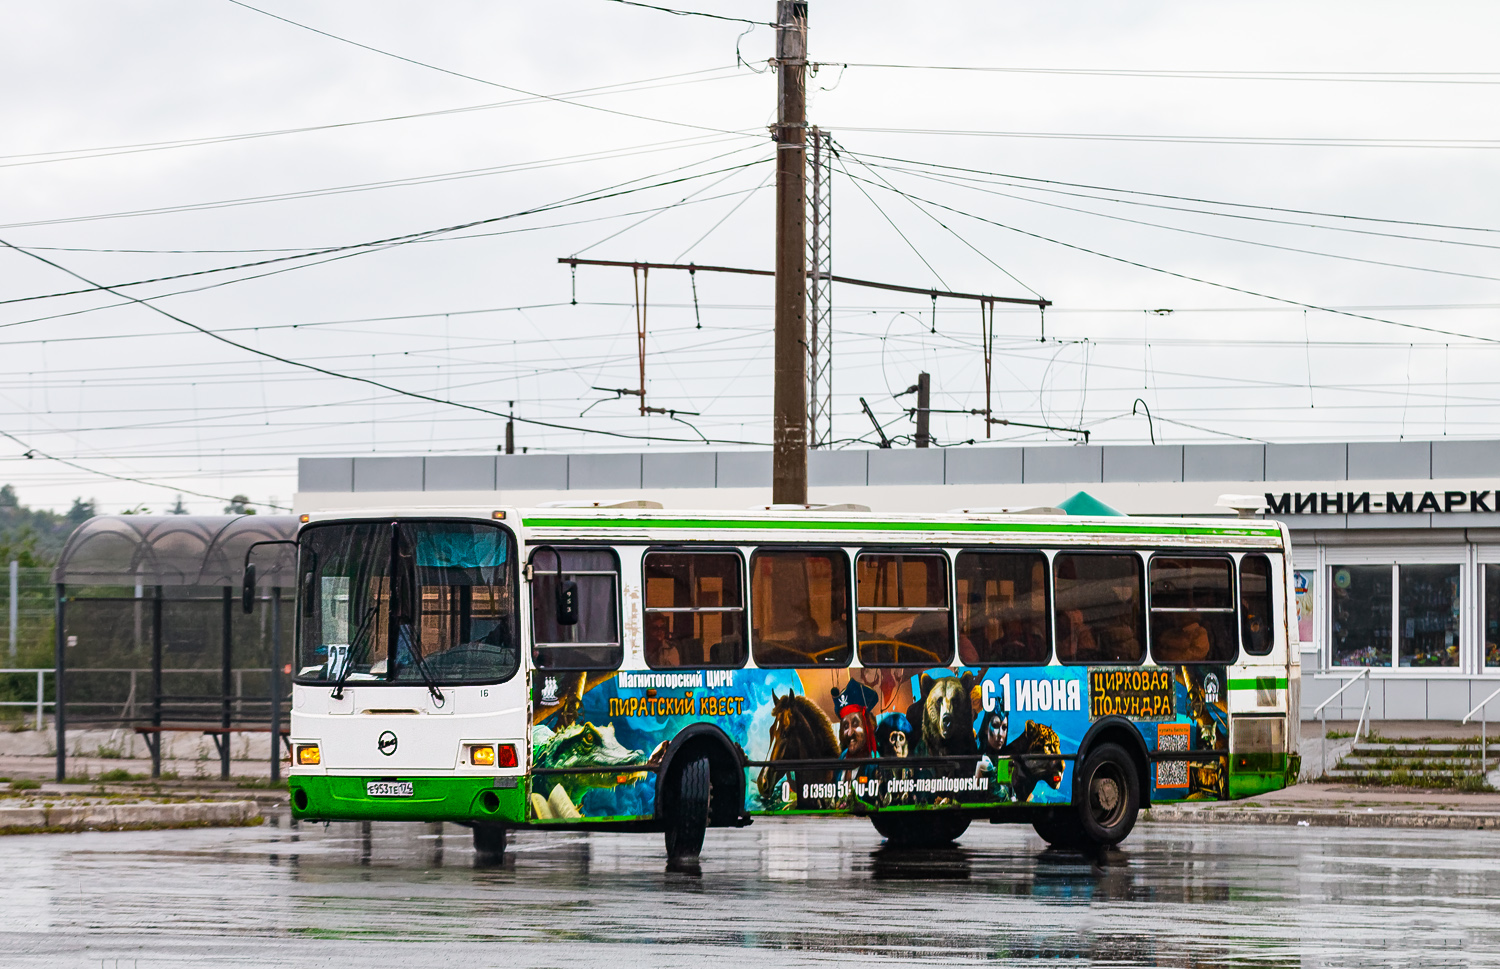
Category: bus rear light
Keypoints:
(482, 755)
(508, 755)
(308, 755)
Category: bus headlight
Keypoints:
(308, 755)
(482, 755)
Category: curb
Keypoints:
(124, 817)
(1449, 820)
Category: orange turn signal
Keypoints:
(482, 755)
(309, 755)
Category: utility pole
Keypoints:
(510, 430)
(789, 426)
(924, 409)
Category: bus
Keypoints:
(634, 668)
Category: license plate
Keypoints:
(388, 788)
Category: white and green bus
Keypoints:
(635, 668)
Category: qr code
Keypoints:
(1171, 773)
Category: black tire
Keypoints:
(921, 829)
(1060, 832)
(687, 813)
(1106, 795)
(489, 844)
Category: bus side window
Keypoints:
(1100, 609)
(1257, 624)
(593, 642)
(1192, 610)
(799, 601)
(695, 610)
(1002, 609)
(904, 619)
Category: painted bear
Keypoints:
(947, 716)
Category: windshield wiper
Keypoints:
(427, 677)
(349, 657)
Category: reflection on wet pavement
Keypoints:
(812, 892)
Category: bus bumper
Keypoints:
(458, 799)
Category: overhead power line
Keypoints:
(1198, 279)
(1365, 77)
(1266, 141)
(623, 87)
(1184, 198)
(692, 13)
(479, 80)
(146, 303)
(34, 452)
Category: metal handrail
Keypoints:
(41, 693)
(1363, 674)
(1484, 730)
(1318, 710)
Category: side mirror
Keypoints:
(567, 602)
(247, 590)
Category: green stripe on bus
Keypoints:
(968, 526)
(1258, 683)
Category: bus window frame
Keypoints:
(1233, 610)
(618, 573)
(948, 586)
(1049, 600)
(1270, 603)
(849, 594)
(1142, 557)
(743, 608)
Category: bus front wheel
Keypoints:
(687, 814)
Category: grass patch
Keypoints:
(25, 785)
(261, 783)
(1340, 734)
(121, 774)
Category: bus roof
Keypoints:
(845, 527)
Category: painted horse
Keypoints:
(800, 731)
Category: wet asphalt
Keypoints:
(780, 893)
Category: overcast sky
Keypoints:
(123, 160)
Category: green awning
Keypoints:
(1084, 503)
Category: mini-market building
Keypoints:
(1396, 545)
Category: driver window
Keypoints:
(904, 618)
(695, 610)
(593, 642)
(799, 608)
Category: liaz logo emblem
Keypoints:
(387, 743)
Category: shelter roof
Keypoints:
(177, 550)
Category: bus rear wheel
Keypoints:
(920, 829)
(687, 813)
(1107, 795)
(489, 844)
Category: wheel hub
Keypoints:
(1106, 796)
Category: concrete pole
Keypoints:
(924, 410)
(789, 425)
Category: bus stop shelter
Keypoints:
(151, 635)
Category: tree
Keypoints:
(239, 505)
(81, 511)
(8, 497)
(179, 508)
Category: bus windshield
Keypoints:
(407, 602)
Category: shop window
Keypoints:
(799, 602)
(1429, 615)
(592, 641)
(1360, 612)
(1002, 609)
(1099, 608)
(695, 610)
(903, 617)
(1492, 616)
(1304, 581)
(1257, 623)
(1192, 610)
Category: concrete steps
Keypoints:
(1390, 763)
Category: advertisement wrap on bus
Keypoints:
(645, 670)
